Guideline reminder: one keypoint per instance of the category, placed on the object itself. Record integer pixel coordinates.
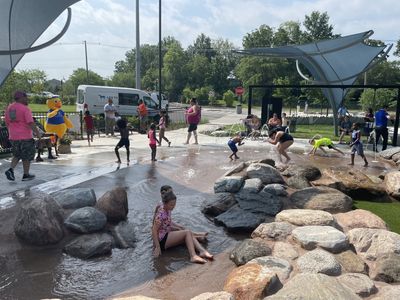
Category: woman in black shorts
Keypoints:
(283, 141)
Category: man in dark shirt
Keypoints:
(381, 119)
(344, 128)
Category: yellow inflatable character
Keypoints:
(56, 123)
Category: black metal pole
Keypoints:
(159, 54)
(250, 100)
(396, 121)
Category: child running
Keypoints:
(165, 237)
(153, 141)
(124, 140)
(89, 125)
(237, 139)
(162, 124)
(200, 236)
(320, 143)
(356, 144)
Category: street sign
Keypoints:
(239, 90)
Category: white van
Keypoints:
(156, 97)
(126, 100)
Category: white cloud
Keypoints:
(112, 22)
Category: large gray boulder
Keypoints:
(285, 251)
(326, 237)
(372, 243)
(308, 172)
(351, 262)
(273, 231)
(392, 184)
(304, 217)
(114, 204)
(265, 172)
(360, 284)
(229, 184)
(262, 203)
(276, 189)
(218, 203)
(280, 266)
(319, 261)
(248, 250)
(252, 186)
(390, 292)
(315, 287)
(359, 218)
(86, 220)
(388, 153)
(75, 198)
(322, 198)
(124, 235)
(387, 268)
(90, 245)
(39, 220)
(236, 219)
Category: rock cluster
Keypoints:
(310, 237)
(41, 221)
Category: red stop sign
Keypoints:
(239, 90)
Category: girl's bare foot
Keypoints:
(118, 162)
(198, 260)
(207, 255)
(351, 164)
(366, 165)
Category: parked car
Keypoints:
(156, 97)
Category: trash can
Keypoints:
(239, 109)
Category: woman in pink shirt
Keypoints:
(153, 141)
(164, 235)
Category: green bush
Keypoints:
(229, 98)
(202, 95)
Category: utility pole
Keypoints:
(138, 59)
(87, 67)
(159, 54)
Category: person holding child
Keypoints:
(162, 124)
(237, 139)
(356, 144)
(164, 236)
(153, 141)
(124, 140)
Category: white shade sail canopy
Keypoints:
(332, 62)
(22, 22)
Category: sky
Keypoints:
(108, 26)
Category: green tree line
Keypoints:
(202, 68)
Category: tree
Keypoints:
(175, 70)
(317, 27)
(261, 37)
(122, 79)
(15, 81)
(397, 51)
(36, 80)
(288, 33)
(202, 46)
(378, 98)
(79, 76)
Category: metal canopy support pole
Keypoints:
(159, 54)
(396, 121)
(250, 100)
(138, 58)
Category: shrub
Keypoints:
(229, 98)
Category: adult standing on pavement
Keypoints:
(142, 113)
(20, 125)
(193, 116)
(381, 119)
(109, 112)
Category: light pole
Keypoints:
(87, 64)
(159, 53)
(138, 59)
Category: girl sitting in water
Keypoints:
(200, 236)
(165, 237)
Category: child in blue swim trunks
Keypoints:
(237, 139)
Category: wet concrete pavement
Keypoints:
(191, 170)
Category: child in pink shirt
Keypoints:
(153, 141)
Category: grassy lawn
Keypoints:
(44, 108)
(308, 131)
(389, 212)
